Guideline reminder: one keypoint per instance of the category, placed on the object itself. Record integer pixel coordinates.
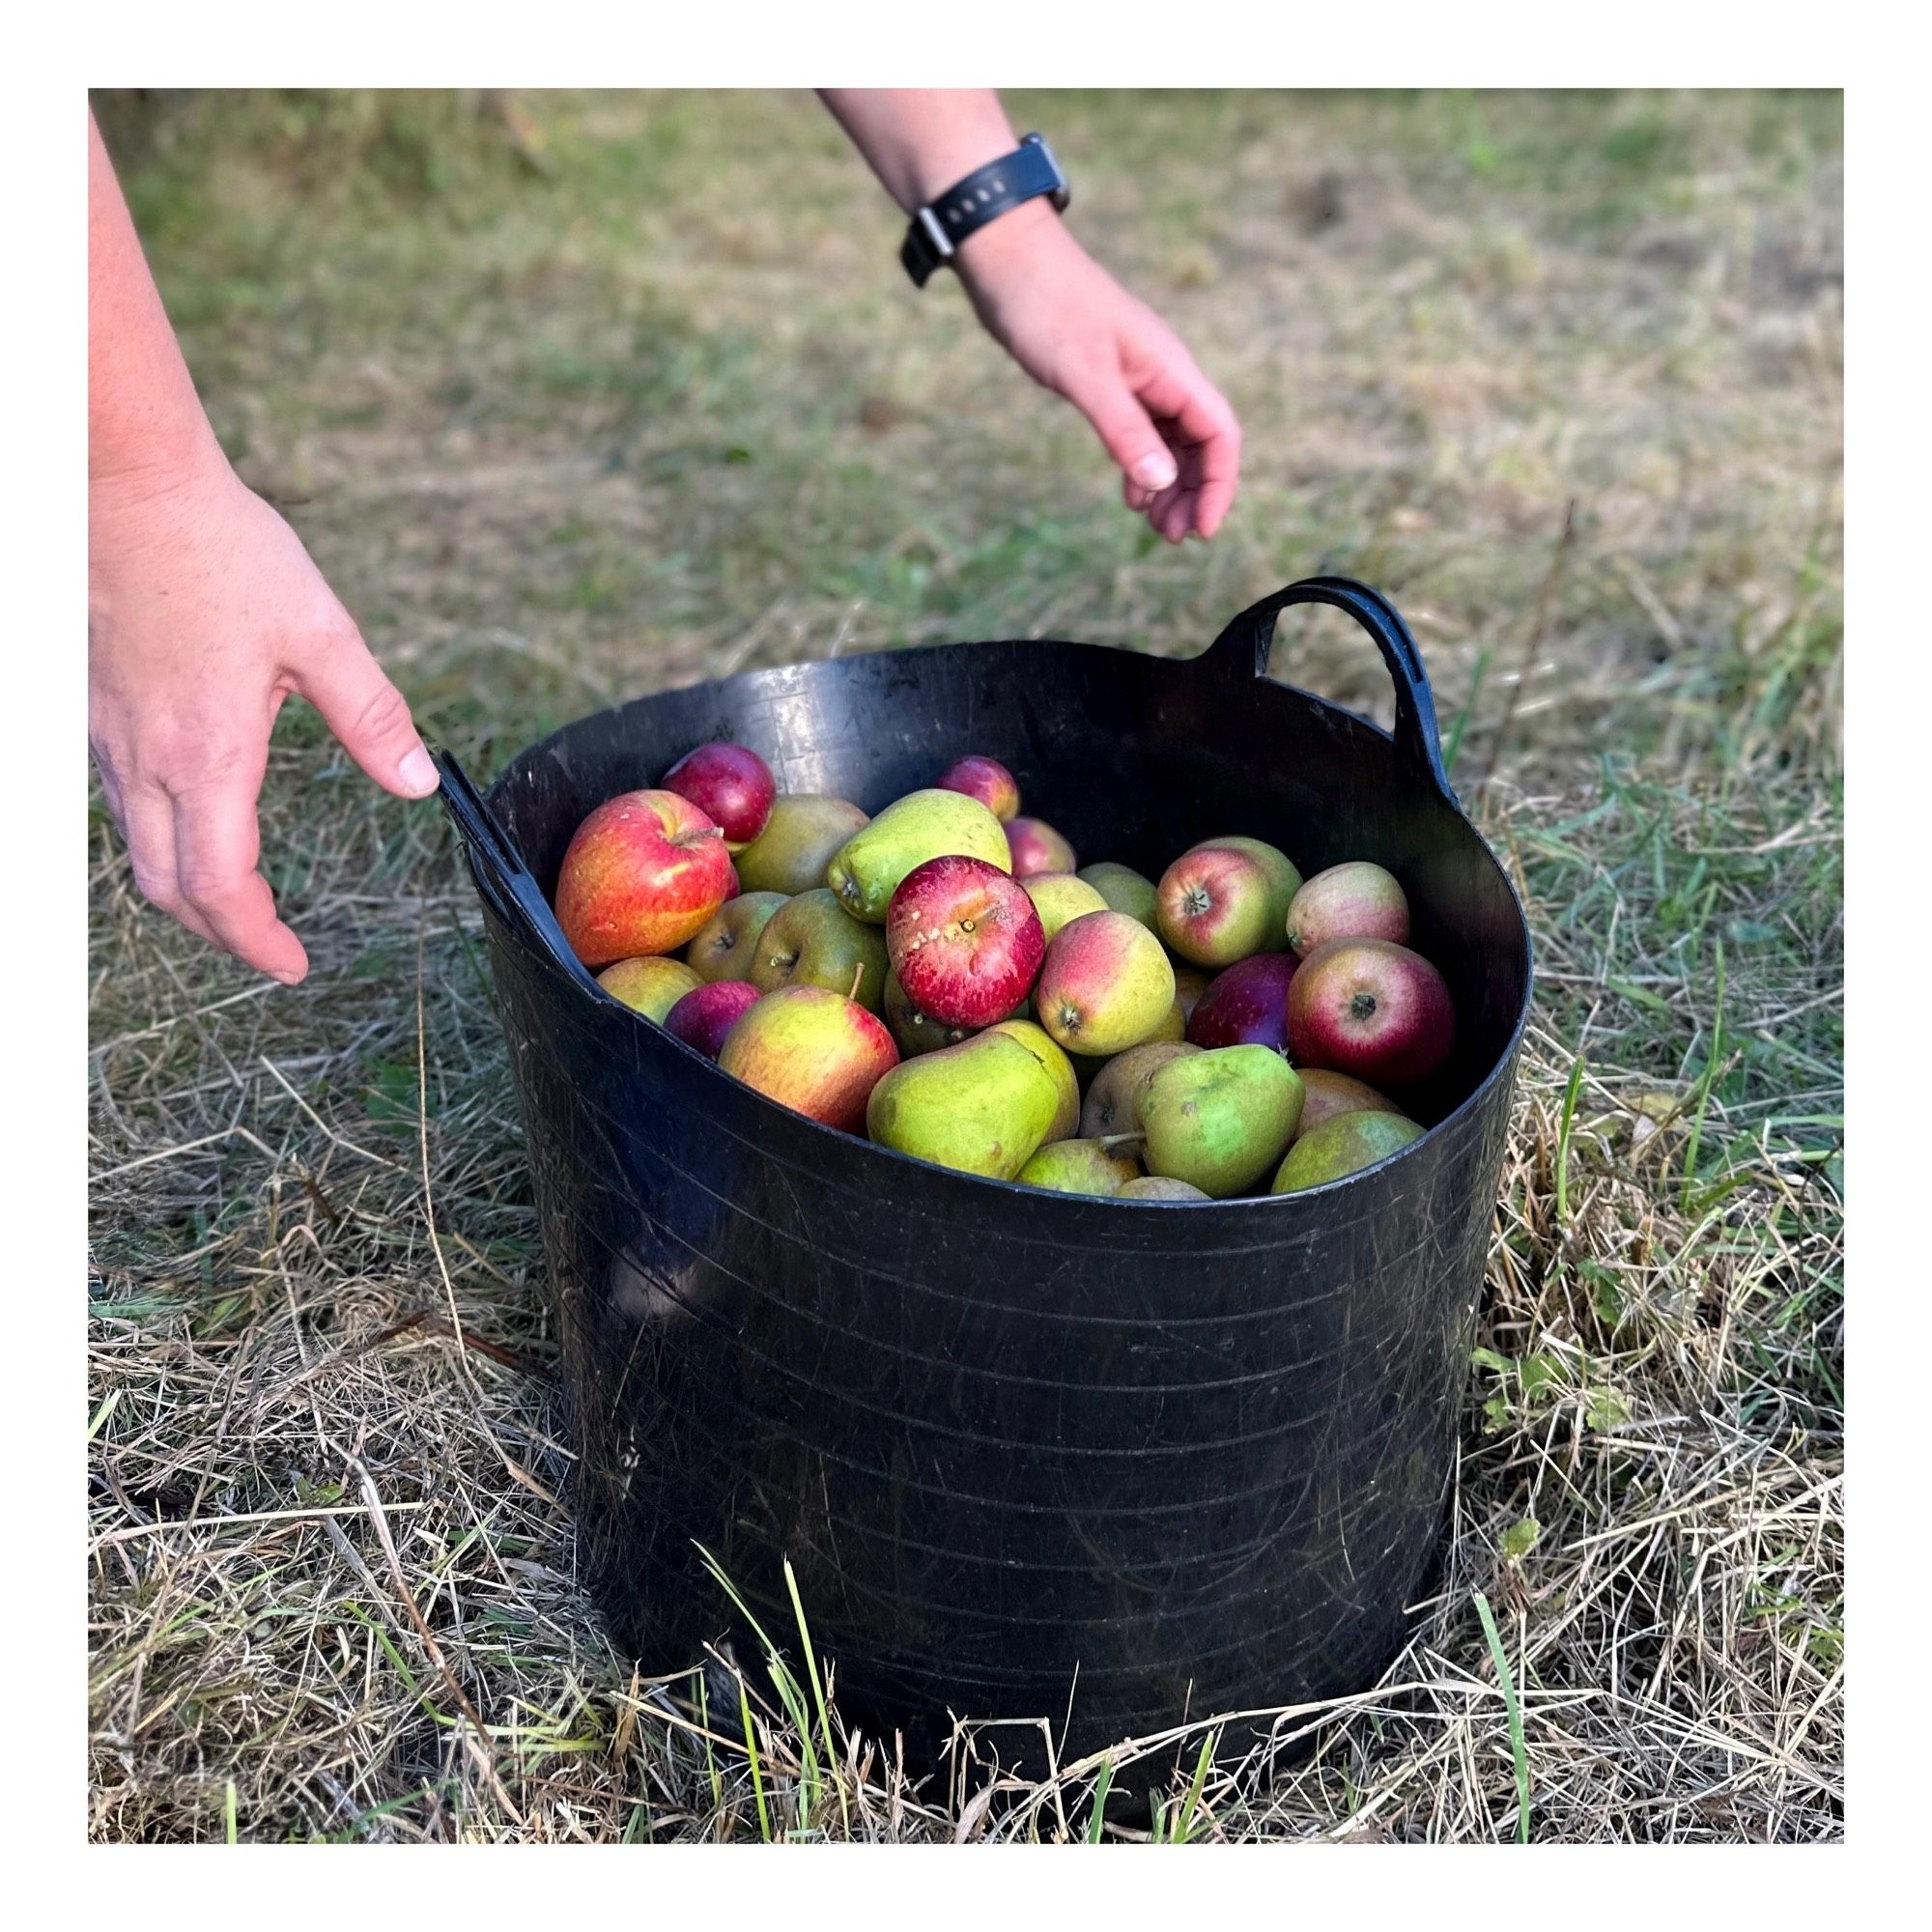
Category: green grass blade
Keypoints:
(1515, 1712)
(819, 1697)
(228, 1818)
(1705, 1083)
(751, 1756)
(1183, 1824)
(1096, 1819)
(1571, 1092)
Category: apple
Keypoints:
(1373, 1010)
(964, 940)
(733, 786)
(727, 944)
(1037, 847)
(640, 875)
(1189, 983)
(1284, 879)
(708, 1012)
(986, 780)
(1058, 896)
(812, 941)
(1325, 1094)
(651, 985)
(1357, 900)
(1105, 984)
(914, 1032)
(1246, 1006)
(811, 1050)
(1214, 904)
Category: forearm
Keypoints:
(920, 140)
(145, 423)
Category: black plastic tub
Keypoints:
(1196, 1455)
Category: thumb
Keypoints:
(1128, 433)
(368, 715)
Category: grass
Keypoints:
(584, 396)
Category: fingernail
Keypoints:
(417, 773)
(1155, 470)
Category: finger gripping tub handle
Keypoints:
(1245, 646)
(502, 877)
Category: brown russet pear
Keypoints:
(983, 1107)
(1159, 1187)
(1220, 1121)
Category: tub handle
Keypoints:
(502, 877)
(1242, 650)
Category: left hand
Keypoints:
(1076, 331)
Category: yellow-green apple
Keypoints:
(1325, 1094)
(1343, 1143)
(1246, 1006)
(1214, 906)
(986, 780)
(812, 941)
(1370, 1008)
(964, 938)
(1105, 984)
(1126, 890)
(730, 784)
(727, 946)
(707, 1013)
(652, 985)
(1058, 896)
(811, 1050)
(640, 875)
(1284, 880)
(791, 853)
(1357, 900)
(1037, 847)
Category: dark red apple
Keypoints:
(642, 874)
(986, 780)
(1037, 847)
(733, 786)
(811, 1050)
(1370, 1008)
(964, 940)
(1246, 1006)
(706, 1013)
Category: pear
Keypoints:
(983, 1107)
(1158, 1187)
(866, 870)
(1284, 881)
(1113, 1103)
(1058, 896)
(1080, 1167)
(1126, 890)
(1220, 1120)
(791, 853)
(1038, 1043)
(1343, 1143)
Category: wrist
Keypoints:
(1015, 242)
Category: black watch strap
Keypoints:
(967, 205)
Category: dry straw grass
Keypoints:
(334, 1588)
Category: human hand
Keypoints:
(204, 613)
(1076, 331)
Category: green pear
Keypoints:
(1220, 1120)
(866, 869)
(1158, 1187)
(983, 1107)
(1058, 896)
(791, 853)
(1284, 882)
(1113, 1104)
(1126, 890)
(726, 944)
(1038, 1043)
(812, 941)
(1080, 1167)
(1343, 1143)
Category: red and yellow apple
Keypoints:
(640, 875)
(651, 985)
(1215, 905)
(1037, 847)
(1357, 900)
(1104, 985)
(1373, 1010)
(986, 780)
(811, 1050)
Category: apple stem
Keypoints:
(858, 975)
(1117, 1140)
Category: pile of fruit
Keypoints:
(943, 979)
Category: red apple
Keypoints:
(1246, 1006)
(1213, 905)
(964, 940)
(986, 780)
(707, 1013)
(1357, 900)
(811, 1050)
(1370, 1008)
(733, 786)
(640, 875)
(1037, 847)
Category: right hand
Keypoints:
(204, 613)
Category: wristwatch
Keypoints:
(939, 227)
